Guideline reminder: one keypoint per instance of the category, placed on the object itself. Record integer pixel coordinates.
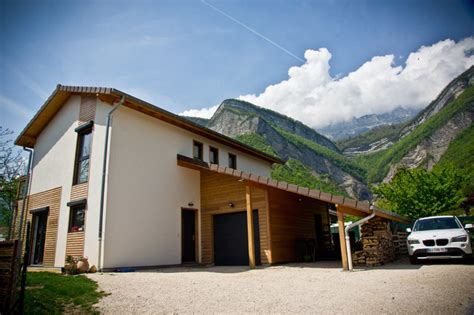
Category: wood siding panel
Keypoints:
(291, 219)
(75, 244)
(52, 199)
(217, 191)
(75, 240)
(87, 110)
(79, 191)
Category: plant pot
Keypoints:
(82, 265)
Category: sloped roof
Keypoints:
(359, 207)
(56, 100)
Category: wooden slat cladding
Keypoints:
(87, 110)
(52, 199)
(75, 240)
(291, 219)
(79, 191)
(217, 191)
(75, 244)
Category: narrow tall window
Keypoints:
(213, 155)
(81, 170)
(76, 220)
(232, 161)
(197, 150)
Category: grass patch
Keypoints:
(294, 172)
(258, 142)
(51, 293)
(363, 140)
(378, 164)
(460, 152)
(338, 159)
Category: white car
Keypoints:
(439, 237)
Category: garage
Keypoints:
(230, 239)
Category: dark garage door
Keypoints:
(230, 239)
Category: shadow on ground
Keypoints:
(400, 264)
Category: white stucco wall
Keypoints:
(53, 164)
(91, 238)
(146, 189)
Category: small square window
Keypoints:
(197, 150)
(76, 221)
(232, 161)
(213, 155)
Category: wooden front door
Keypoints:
(188, 235)
(39, 236)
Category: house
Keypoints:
(125, 183)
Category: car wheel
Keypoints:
(413, 260)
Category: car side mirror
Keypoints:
(408, 230)
(469, 226)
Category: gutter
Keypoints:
(27, 191)
(104, 176)
(352, 225)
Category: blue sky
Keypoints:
(183, 54)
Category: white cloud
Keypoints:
(202, 113)
(312, 95)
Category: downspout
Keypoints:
(27, 191)
(346, 232)
(104, 175)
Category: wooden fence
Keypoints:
(10, 257)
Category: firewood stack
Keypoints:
(400, 243)
(377, 244)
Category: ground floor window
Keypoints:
(76, 221)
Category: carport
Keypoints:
(246, 218)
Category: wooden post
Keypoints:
(269, 228)
(342, 239)
(248, 198)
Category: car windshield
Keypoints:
(436, 224)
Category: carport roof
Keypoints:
(344, 204)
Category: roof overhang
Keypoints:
(56, 100)
(343, 204)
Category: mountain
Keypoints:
(423, 141)
(442, 134)
(236, 117)
(356, 126)
(305, 150)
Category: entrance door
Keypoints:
(39, 236)
(230, 239)
(188, 235)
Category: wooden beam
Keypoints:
(352, 211)
(248, 198)
(342, 239)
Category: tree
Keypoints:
(11, 168)
(419, 193)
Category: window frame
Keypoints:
(82, 131)
(234, 157)
(211, 149)
(72, 210)
(201, 150)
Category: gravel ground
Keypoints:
(437, 288)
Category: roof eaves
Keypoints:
(197, 126)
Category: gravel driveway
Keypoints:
(297, 288)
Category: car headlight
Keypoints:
(461, 238)
(413, 241)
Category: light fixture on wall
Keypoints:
(190, 204)
(231, 204)
(300, 200)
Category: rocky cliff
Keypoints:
(289, 139)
